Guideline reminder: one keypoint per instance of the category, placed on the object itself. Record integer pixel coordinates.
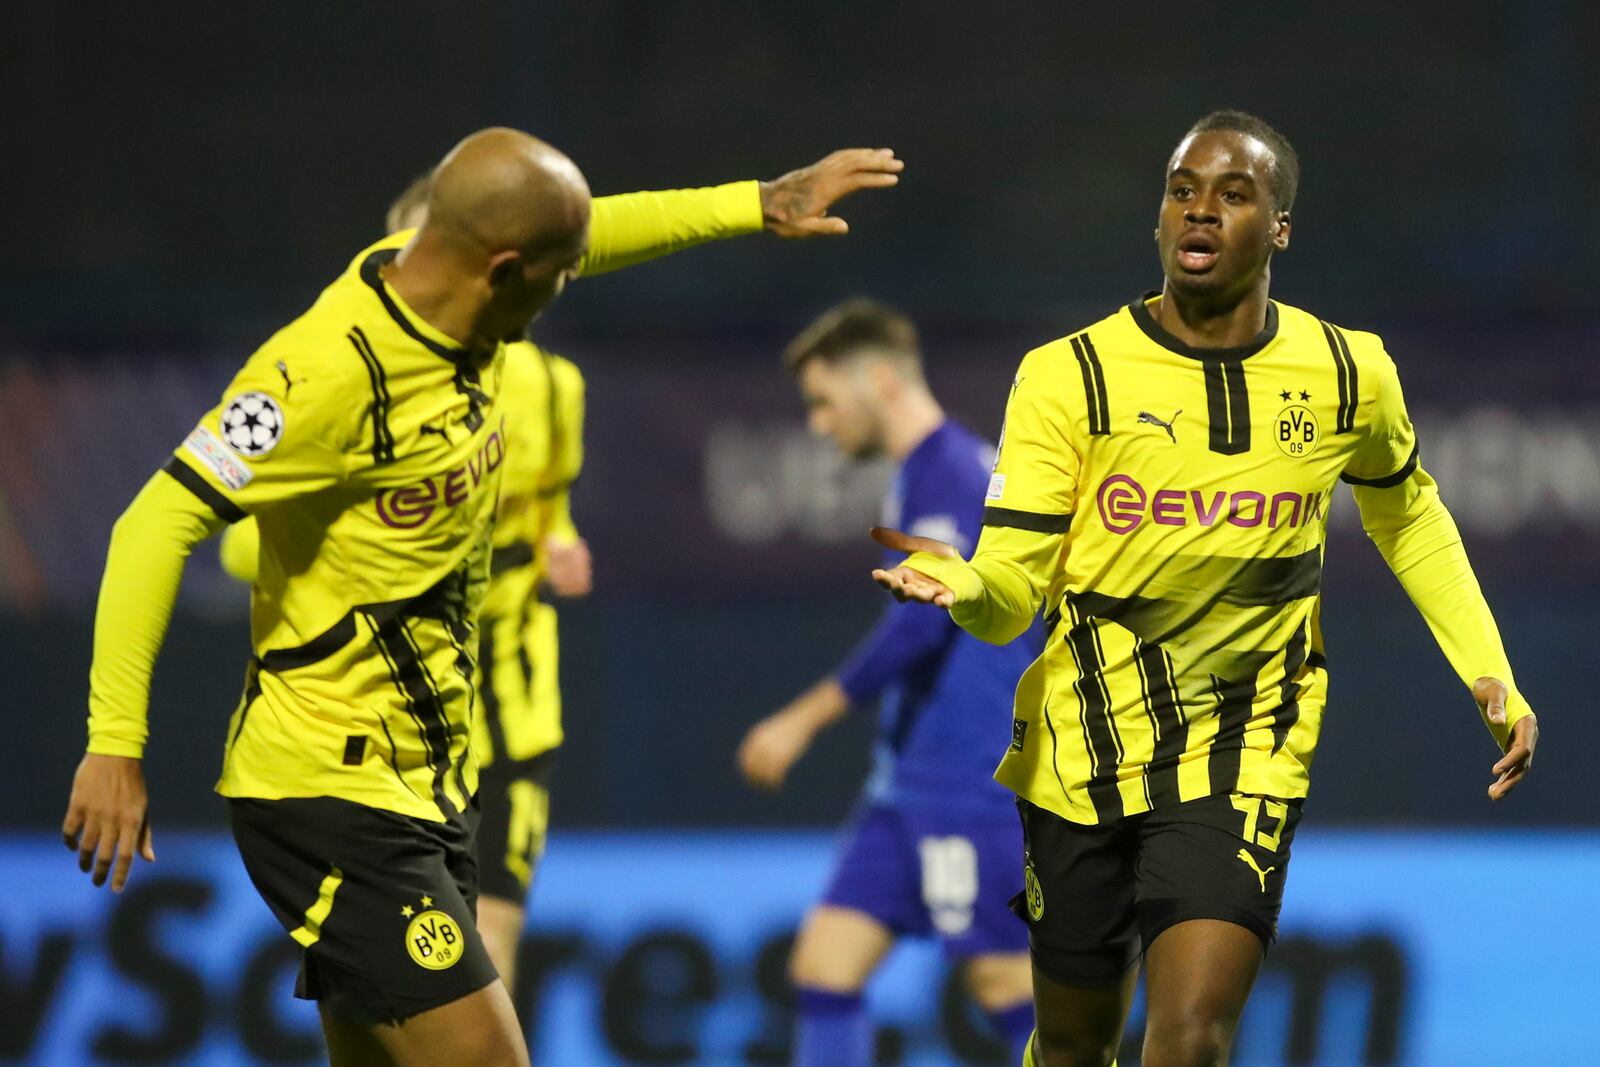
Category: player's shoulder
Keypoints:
(1364, 347)
(1065, 354)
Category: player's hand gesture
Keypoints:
(771, 748)
(108, 818)
(569, 569)
(906, 583)
(796, 205)
(1491, 693)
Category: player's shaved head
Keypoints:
(502, 189)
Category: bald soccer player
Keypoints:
(366, 439)
(538, 556)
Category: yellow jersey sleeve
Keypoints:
(1388, 450)
(1405, 517)
(144, 566)
(241, 551)
(1028, 509)
(566, 459)
(283, 429)
(635, 227)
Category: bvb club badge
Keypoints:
(1296, 431)
(432, 937)
(1033, 893)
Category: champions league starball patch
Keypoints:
(252, 423)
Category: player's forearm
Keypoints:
(241, 551)
(1418, 539)
(634, 227)
(999, 591)
(908, 635)
(820, 706)
(144, 566)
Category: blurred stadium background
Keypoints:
(179, 183)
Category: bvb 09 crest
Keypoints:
(434, 940)
(1296, 431)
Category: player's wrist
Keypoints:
(121, 748)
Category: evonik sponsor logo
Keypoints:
(413, 505)
(1125, 505)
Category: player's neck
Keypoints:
(433, 292)
(909, 422)
(1202, 324)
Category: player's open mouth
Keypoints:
(1198, 250)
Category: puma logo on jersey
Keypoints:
(440, 430)
(288, 382)
(1149, 419)
(1250, 861)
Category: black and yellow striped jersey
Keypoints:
(544, 435)
(369, 448)
(1167, 507)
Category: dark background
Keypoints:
(181, 181)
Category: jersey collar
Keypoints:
(414, 327)
(1140, 310)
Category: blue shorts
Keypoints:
(926, 871)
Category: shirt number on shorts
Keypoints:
(1263, 819)
(949, 882)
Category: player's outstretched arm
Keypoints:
(994, 597)
(1491, 695)
(631, 228)
(775, 744)
(107, 818)
(906, 582)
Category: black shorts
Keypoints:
(514, 796)
(1095, 897)
(382, 904)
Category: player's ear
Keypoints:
(504, 267)
(1280, 231)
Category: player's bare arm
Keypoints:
(907, 583)
(108, 818)
(1510, 769)
(776, 743)
(797, 204)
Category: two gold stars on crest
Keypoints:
(408, 911)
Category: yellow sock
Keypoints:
(1027, 1053)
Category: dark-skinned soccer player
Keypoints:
(1162, 493)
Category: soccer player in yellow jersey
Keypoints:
(1162, 492)
(366, 438)
(517, 726)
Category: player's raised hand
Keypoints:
(108, 818)
(796, 205)
(906, 583)
(1491, 694)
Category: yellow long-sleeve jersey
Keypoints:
(1167, 507)
(370, 449)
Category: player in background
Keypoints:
(366, 439)
(536, 550)
(933, 850)
(1162, 493)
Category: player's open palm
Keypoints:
(108, 818)
(771, 748)
(1491, 694)
(906, 583)
(796, 205)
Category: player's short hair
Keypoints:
(856, 328)
(415, 196)
(1285, 163)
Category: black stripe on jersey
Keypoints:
(510, 557)
(467, 383)
(1392, 480)
(468, 670)
(370, 273)
(382, 436)
(1317, 660)
(1227, 406)
(491, 695)
(1156, 675)
(252, 690)
(1036, 521)
(1349, 387)
(1094, 385)
(209, 495)
(1094, 714)
(410, 676)
(1288, 710)
(318, 648)
(1233, 715)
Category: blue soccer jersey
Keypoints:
(945, 697)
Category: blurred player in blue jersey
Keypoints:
(934, 849)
